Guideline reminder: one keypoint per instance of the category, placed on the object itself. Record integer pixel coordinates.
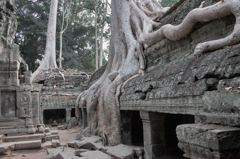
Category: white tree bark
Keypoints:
(49, 60)
(132, 26)
(96, 35)
(102, 30)
(65, 16)
(215, 11)
(126, 61)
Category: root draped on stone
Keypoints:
(202, 14)
(129, 20)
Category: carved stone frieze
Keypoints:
(25, 101)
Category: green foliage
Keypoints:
(168, 3)
(78, 39)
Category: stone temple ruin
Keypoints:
(183, 105)
(25, 107)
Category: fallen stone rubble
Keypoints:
(92, 148)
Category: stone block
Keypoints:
(221, 102)
(1, 139)
(55, 143)
(54, 132)
(47, 129)
(51, 137)
(82, 145)
(79, 151)
(24, 138)
(95, 154)
(208, 141)
(23, 145)
(121, 151)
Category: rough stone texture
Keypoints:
(19, 100)
(121, 152)
(21, 145)
(82, 144)
(23, 138)
(55, 143)
(63, 153)
(60, 91)
(208, 141)
(79, 151)
(95, 154)
(175, 81)
(178, 83)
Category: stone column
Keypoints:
(0, 104)
(154, 134)
(68, 114)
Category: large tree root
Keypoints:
(216, 11)
(126, 61)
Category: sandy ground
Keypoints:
(65, 137)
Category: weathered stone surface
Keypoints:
(47, 129)
(82, 144)
(79, 151)
(84, 133)
(208, 141)
(93, 139)
(222, 102)
(63, 153)
(55, 143)
(24, 138)
(95, 154)
(23, 145)
(51, 137)
(121, 152)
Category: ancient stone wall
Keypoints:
(61, 89)
(175, 80)
(19, 100)
(207, 87)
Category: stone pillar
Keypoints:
(154, 134)
(0, 104)
(35, 108)
(68, 114)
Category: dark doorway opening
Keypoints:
(136, 129)
(171, 122)
(8, 103)
(73, 112)
(54, 116)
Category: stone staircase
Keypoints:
(28, 141)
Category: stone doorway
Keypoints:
(171, 122)
(131, 127)
(73, 112)
(54, 117)
(136, 129)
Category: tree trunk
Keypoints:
(96, 36)
(60, 49)
(126, 61)
(49, 60)
(102, 30)
(132, 27)
(201, 14)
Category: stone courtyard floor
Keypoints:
(65, 137)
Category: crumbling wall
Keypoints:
(206, 87)
(175, 80)
(60, 91)
(19, 100)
